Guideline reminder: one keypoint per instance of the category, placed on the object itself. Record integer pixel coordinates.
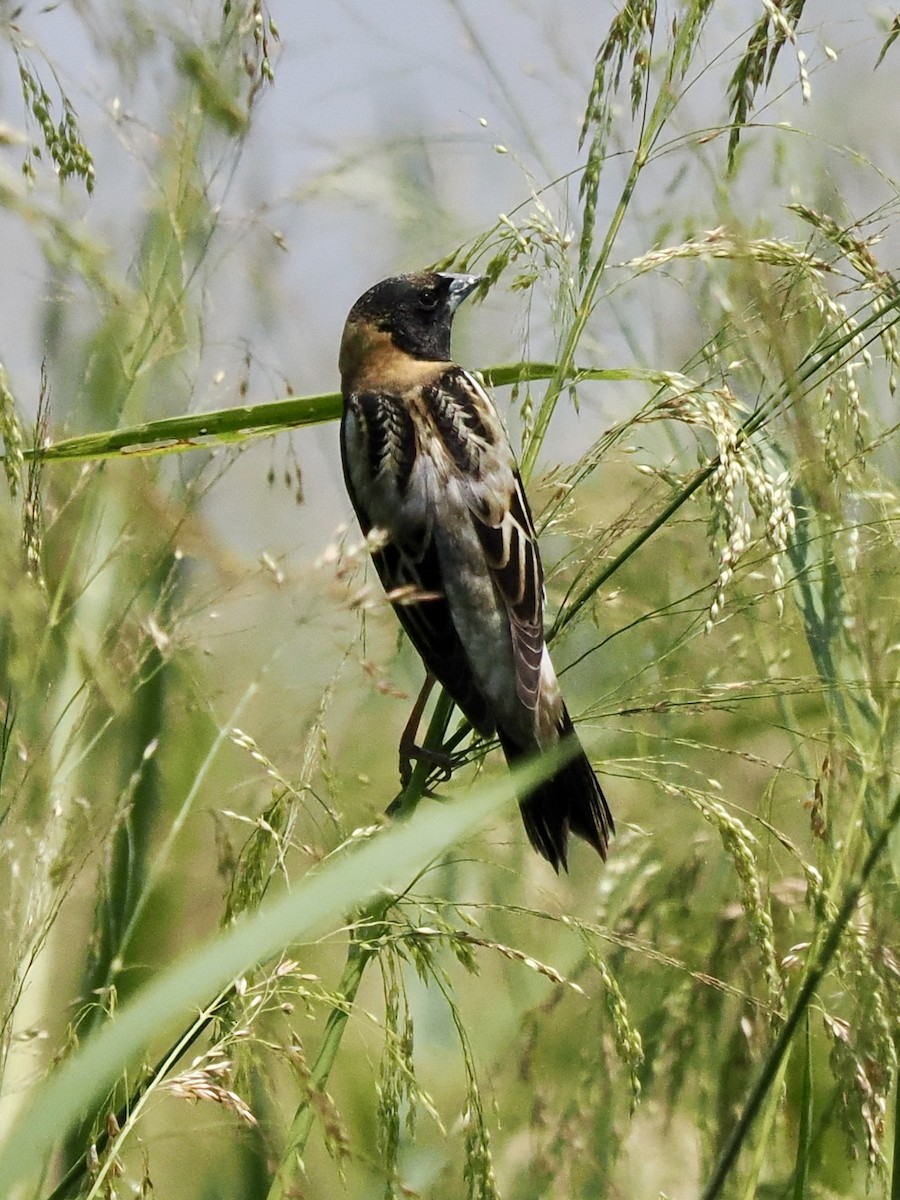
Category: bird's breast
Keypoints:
(391, 479)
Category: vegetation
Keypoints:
(225, 973)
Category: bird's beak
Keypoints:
(460, 287)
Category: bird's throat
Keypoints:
(370, 359)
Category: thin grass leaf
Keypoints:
(889, 40)
(805, 1128)
(828, 947)
(378, 865)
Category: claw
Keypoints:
(437, 758)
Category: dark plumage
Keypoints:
(426, 460)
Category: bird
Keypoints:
(437, 492)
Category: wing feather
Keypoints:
(503, 523)
(412, 568)
(429, 624)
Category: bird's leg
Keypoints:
(409, 749)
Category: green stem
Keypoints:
(565, 367)
(895, 1164)
(358, 956)
(666, 99)
(816, 973)
(361, 951)
(127, 1113)
(804, 1133)
(570, 611)
(405, 803)
(816, 360)
(198, 431)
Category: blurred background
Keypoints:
(253, 170)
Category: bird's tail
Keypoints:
(571, 801)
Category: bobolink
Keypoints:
(427, 462)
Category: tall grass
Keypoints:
(416, 1006)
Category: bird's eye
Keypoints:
(428, 299)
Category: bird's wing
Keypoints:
(474, 435)
(415, 571)
(410, 572)
(510, 548)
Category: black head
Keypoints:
(415, 310)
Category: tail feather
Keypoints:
(571, 801)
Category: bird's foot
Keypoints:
(410, 752)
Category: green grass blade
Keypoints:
(804, 1133)
(772, 1065)
(384, 863)
(199, 431)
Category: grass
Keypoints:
(225, 973)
